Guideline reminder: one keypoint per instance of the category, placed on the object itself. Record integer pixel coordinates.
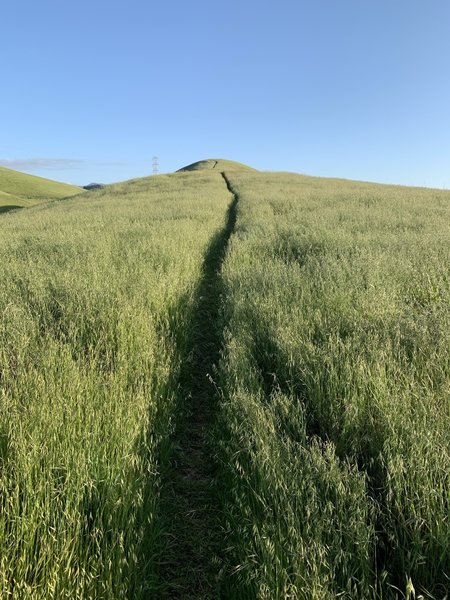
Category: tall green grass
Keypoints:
(96, 297)
(334, 437)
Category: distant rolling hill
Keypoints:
(216, 163)
(18, 190)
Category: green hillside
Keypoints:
(217, 164)
(20, 189)
(9, 202)
(229, 384)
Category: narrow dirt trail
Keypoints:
(193, 563)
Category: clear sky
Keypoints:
(92, 89)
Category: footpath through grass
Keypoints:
(207, 397)
(190, 493)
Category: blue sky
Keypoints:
(91, 90)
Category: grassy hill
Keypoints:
(20, 189)
(222, 383)
(9, 202)
(217, 164)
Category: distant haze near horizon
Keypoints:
(356, 90)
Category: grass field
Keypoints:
(19, 190)
(334, 422)
(226, 385)
(95, 302)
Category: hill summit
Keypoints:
(218, 164)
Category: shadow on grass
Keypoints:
(9, 207)
(191, 510)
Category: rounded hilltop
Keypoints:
(218, 164)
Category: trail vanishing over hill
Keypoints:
(216, 164)
(224, 383)
(190, 490)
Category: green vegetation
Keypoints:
(217, 164)
(96, 302)
(20, 189)
(334, 426)
(241, 395)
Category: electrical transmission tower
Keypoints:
(155, 163)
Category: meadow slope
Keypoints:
(96, 303)
(333, 433)
(226, 384)
(21, 189)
